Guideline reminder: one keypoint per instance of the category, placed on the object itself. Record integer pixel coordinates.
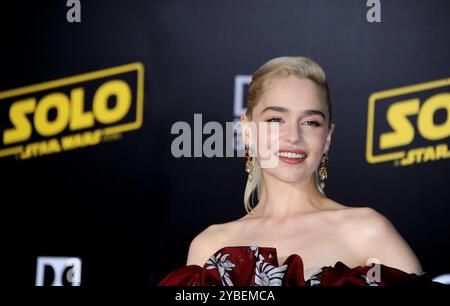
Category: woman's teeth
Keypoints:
(290, 155)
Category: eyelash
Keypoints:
(315, 123)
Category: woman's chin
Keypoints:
(291, 179)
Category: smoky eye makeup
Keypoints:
(274, 119)
(312, 123)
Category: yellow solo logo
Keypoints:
(72, 112)
(409, 125)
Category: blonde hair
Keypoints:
(281, 67)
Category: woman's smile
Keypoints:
(291, 157)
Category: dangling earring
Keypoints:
(249, 163)
(323, 169)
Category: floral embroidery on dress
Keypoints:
(222, 265)
(255, 250)
(314, 279)
(267, 274)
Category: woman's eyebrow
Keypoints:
(276, 108)
(285, 110)
(315, 112)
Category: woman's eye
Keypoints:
(313, 123)
(278, 120)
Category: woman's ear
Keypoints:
(245, 130)
(330, 132)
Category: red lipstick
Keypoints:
(291, 156)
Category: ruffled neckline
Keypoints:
(264, 249)
(269, 250)
(259, 266)
(270, 255)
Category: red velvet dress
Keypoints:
(258, 266)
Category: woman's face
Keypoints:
(298, 107)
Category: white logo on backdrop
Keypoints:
(59, 266)
(240, 81)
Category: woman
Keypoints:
(295, 235)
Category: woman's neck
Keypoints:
(280, 200)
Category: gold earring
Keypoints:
(323, 169)
(248, 163)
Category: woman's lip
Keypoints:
(293, 151)
(292, 161)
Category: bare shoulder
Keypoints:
(345, 215)
(369, 222)
(377, 239)
(359, 216)
(205, 244)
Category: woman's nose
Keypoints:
(293, 133)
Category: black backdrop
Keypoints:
(127, 208)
